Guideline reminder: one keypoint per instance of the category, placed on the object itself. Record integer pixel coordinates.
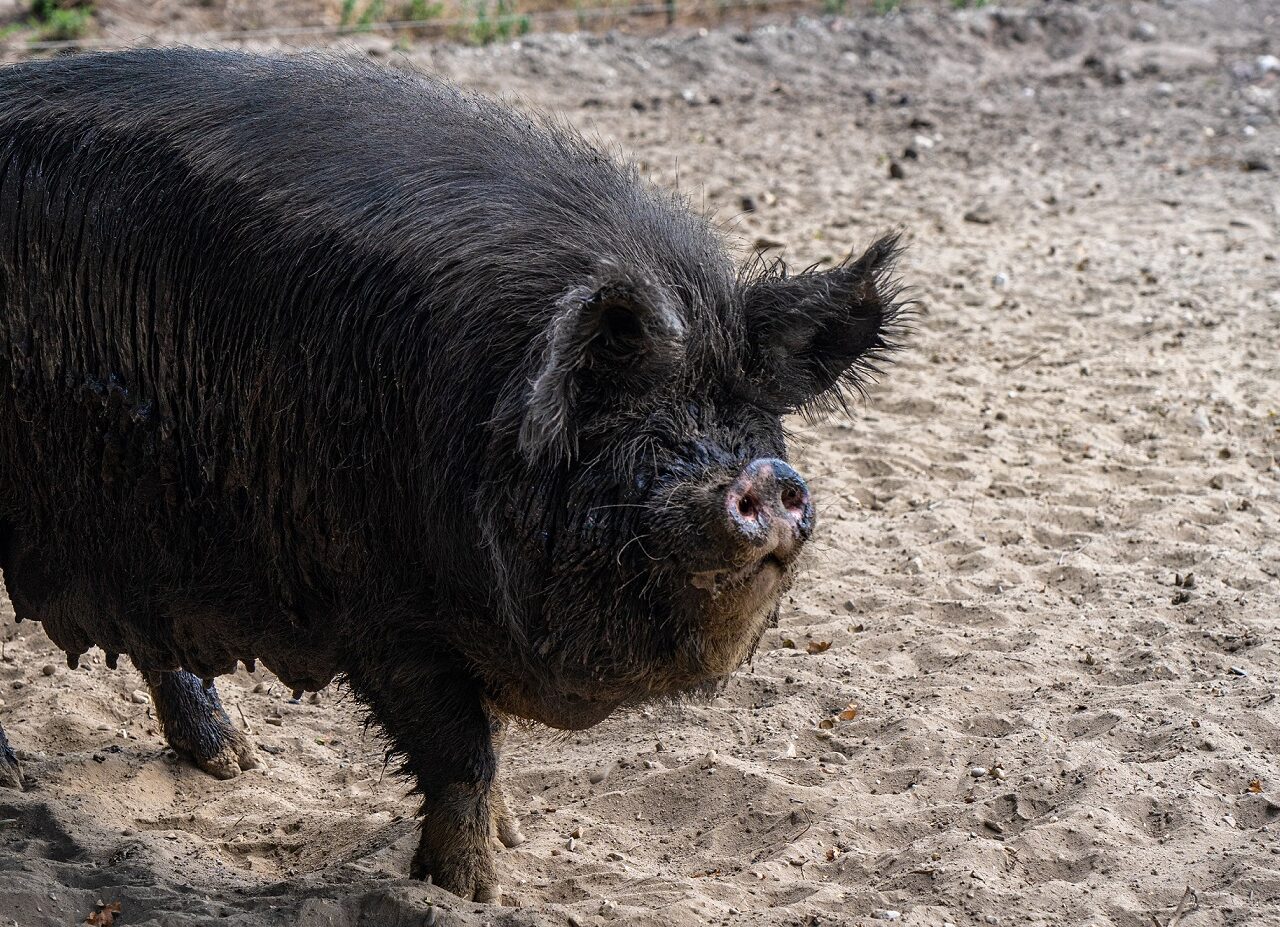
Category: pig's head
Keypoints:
(656, 522)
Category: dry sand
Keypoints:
(1087, 415)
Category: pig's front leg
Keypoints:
(436, 720)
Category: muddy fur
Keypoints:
(345, 370)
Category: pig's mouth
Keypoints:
(762, 576)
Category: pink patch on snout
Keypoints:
(744, 502)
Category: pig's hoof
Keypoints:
(472, 877)
(234, 756)
(509, 833)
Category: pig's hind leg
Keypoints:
(196, 725)
(10, 769)
(505, 825)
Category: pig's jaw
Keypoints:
(738, 612)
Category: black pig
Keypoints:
(354, 373)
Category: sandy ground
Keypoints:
(1049, 558)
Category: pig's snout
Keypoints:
(768, 506)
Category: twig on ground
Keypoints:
(1181, 910)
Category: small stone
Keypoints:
(48, 669)
(888, 915)
(260, 688)
(1145, 32)
(615, 857)
(980, 215)
(1239, 671)
(607, 908)
(600, 774)
(576, 833)
(138, 697)
(278, 722)
(834, 758)
(747, 204)
(978, 772)
(1164, 89)
(896, 171)
(915, 566)
(571, 844)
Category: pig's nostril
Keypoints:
(747, 508)
(795, 500)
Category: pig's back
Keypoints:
(379, 157)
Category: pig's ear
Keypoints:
(813, 337)
(607, 337)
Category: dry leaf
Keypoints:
(1255, 786)
(818, 646)
(849, 713)
(105, 916)
(832, 852)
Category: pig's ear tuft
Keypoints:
(612, 335)
(817, 336)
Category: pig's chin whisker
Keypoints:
(618, 505)
(637, 541)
